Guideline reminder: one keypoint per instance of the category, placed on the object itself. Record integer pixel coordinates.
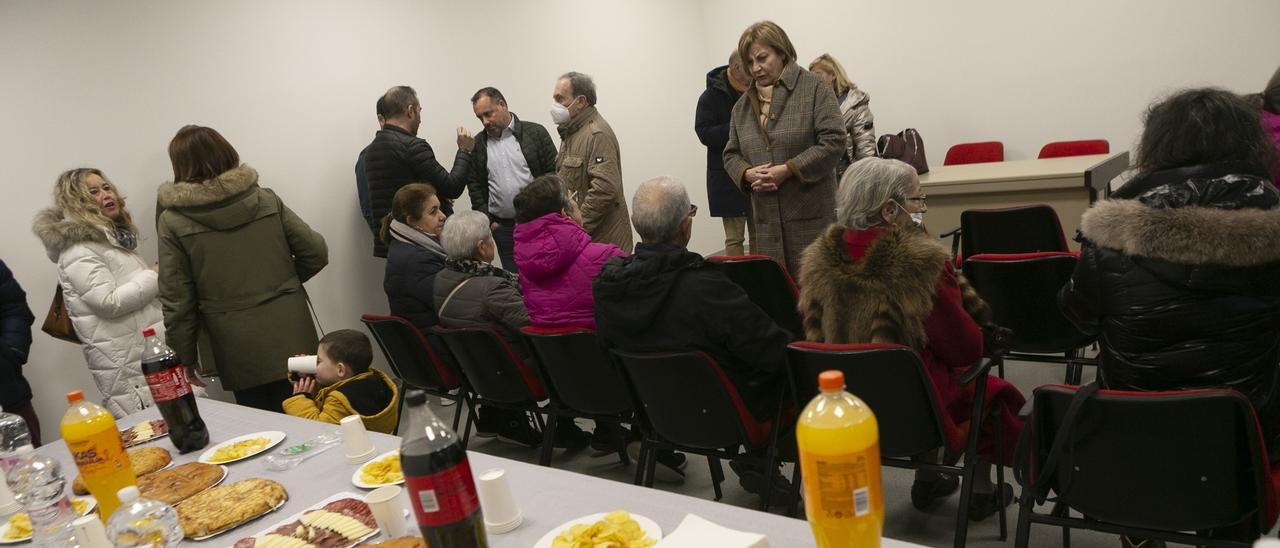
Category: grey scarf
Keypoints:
(415, 237)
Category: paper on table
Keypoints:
(697, 532)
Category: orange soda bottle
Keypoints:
(839, 445)
(94, 441)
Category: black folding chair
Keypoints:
(415, 363)
(768, 285)
(497, 376)
(1021, 229)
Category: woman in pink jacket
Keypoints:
(556, 257)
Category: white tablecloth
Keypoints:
(547, 496)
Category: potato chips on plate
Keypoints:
(613, 530)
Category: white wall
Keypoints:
(292, 85)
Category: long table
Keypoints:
(548, 497)
(1068, 184)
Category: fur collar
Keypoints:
(58, 232)
(1185, 235)
(193, 194)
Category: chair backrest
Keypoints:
(1021, 229)
(1022, 290)
(1183, 461)
(409, 353)
(687, 399)
(768, 285)
(1075, 148)
(493, 370)
(974, 153)
(889, 378)
(579, 374)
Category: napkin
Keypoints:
(695, 532)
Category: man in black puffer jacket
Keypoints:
(15, 342)
(397, 157)
(1179, 271)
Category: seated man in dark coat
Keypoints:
(666, 298)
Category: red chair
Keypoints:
(768, 285)
(974, 153)
(892, 381)
(1075, 148)
(581, 380)
(496, 375)
(1146, 464)
(415, 362)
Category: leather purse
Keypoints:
(907, 146)
(58, 322)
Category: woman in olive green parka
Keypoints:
(233, 259)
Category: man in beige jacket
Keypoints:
(590, 161)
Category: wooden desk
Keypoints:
(1069, 185)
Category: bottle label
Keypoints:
(100, 453)
(842, 486)
(444, 497)
(169, 384)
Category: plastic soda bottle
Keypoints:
(91, 436)
(839, 445)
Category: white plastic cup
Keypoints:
(355, 440)
(501, 515)
(303, 365)
(89, 531)
(7, 504)
(388, 510)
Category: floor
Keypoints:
(902, 521)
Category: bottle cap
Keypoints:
(127, 494)
(831, 380)
(75, 396)
(148, 332)
(415, 397)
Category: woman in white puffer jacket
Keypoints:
(109, 290)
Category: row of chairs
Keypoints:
(993, 151)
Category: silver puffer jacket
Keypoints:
(860, 124)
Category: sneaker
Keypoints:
(982, 505)
(520, 433)
(570, 436)
(925, 493)
(752, 479)
(608, 438)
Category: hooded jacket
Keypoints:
(409, 282)
(591, 163)
(110, 293)
(557, 264)
(490, 298)
(371, 394)
(396, 158)
(860, 124)
(711, 123)
(1177, 277)
(232, 262)
(15, 341)
(665, 298)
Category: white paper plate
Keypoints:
(317, 506)
(4, 527)
(649, 527)
(274, 437)
(355, 477)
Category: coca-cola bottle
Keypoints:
(172, 394)
(438, 477)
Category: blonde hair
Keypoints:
(768, 34)
(829, 64)
(71, 195)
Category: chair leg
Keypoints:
(651, 466)
(999, 449)
(1061, 510)
(458, 405)
(641, 463)
(798, 486)
(966, 496)
(622, 454)
(717, 475)
(471, 419)
(770, 461)
(1023, 534)
(548, 439)
(400, 408)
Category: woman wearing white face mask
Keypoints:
(876, 277)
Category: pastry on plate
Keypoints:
(228, 506)
(180, 482)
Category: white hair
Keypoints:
(867, 186)
(462, 232)
(657, 209)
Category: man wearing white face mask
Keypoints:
(590, 161)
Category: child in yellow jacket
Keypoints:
(346, 385)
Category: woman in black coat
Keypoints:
(15, 342)
(1179, 273)
(414, 255)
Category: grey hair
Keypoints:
(867, 185)
(581, 84)
(462, 232)
(657, 209)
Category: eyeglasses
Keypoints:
(922, 199)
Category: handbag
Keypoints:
(906, 146)
(58, 322)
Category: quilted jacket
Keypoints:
(110, 293)
(557, 264)
(396, 158)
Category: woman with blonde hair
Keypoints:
(108, 288)
(785, 139)
(855, 108)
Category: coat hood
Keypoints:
(717, 80)
(220, 203)
(644, 280)
(58, 232)
(545, 247)
(853, 97)
(1271, 122)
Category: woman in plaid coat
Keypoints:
(784, 142)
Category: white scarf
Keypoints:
(416, 237)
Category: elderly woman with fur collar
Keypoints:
(109, 290)
(1178, 270)
(232, 262)
(876, 277)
